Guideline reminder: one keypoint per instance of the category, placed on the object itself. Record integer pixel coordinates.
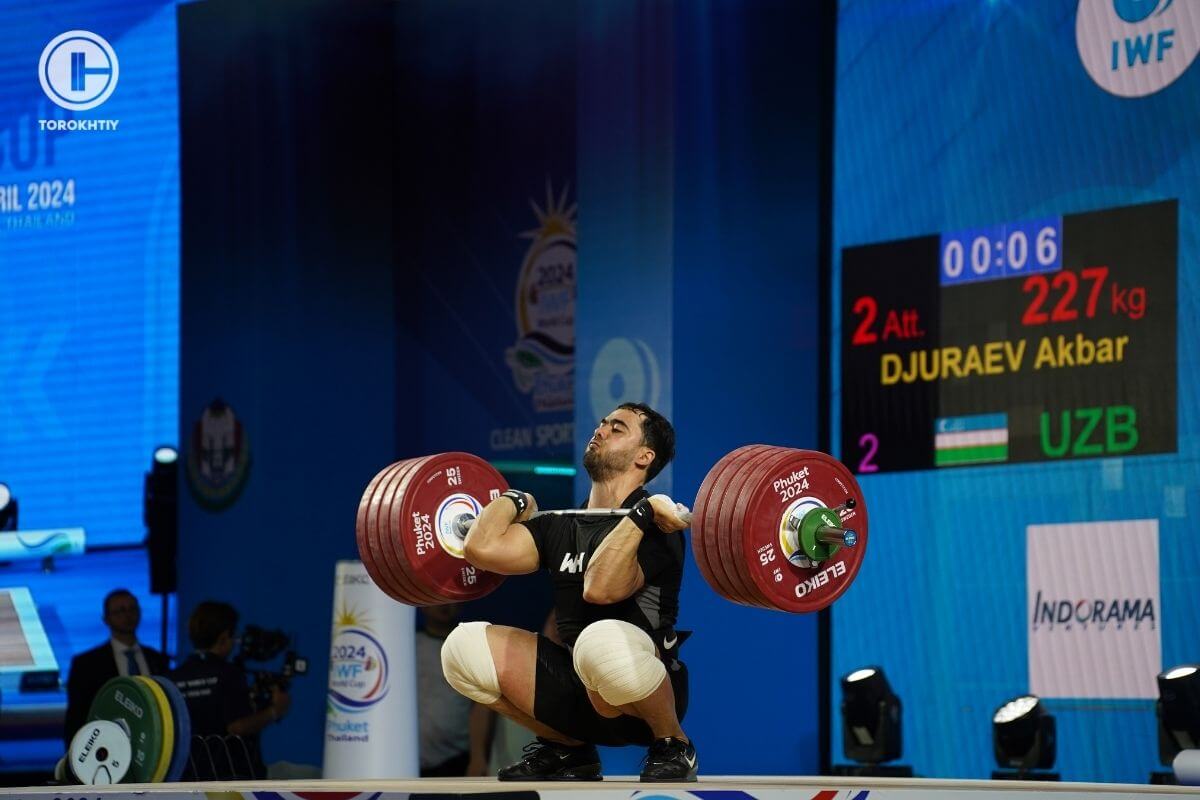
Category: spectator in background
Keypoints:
(122, 654)
(454, 732)
(216, 691)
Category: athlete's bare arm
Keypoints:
(498, 542)
(613, 573)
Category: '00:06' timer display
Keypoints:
(1040, 340)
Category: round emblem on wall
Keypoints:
(218, 458)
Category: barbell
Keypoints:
(772, 527)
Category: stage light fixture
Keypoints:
(160, 511)
(1023, 735)
(8, 509)
(870, 717)
(1178, 711)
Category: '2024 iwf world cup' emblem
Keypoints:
(358, 673)
(543, 358)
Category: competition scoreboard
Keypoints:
(1037, 340)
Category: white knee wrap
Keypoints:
(616, 660)
(467, 663)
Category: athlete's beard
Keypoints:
(601, 468)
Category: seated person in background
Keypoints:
(454, 732)
(216, 691)
(122, 654)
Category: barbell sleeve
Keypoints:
(844, 537)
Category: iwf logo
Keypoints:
(78, 70)
(625, 371)
(1134, 48)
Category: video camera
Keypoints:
(259, 645)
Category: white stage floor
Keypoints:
(619, 788)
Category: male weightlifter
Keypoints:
(616, 596)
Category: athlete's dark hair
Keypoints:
(209, 621)
(657, 434)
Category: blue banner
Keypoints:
(978, 142)
(486, 278)
(89, 259)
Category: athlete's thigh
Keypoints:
(561, 701)
(514, 652)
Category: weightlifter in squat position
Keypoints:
(616, 596)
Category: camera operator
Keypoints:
(216, 691)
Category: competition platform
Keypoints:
(618, 788)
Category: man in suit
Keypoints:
(122, 654)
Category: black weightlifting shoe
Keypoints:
(549, 761)
(669, 760)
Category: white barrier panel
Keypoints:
(27, 648)
(714, 788)
(371, 719)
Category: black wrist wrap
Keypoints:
(519, 500)
(642, 515)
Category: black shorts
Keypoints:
(560, 700)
